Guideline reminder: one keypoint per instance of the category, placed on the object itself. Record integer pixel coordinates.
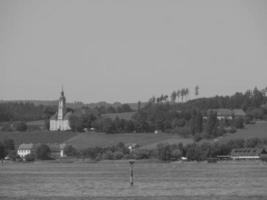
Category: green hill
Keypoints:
(85, 140)
(37, 137)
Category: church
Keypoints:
(60, 120)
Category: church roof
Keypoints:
(26, 146)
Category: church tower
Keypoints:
(60, 120)
(61, 106)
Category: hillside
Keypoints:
(85, 140)
(258, 130)
(37, 137)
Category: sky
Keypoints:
(128, 51)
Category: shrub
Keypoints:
(117, 155)
(142, 154)
(176, 154)
(239, 123)
(7, 127)
(69, 150)
(263, 158)
(20, 126)
(43, 152)
(29, 158)
(13, 155)
(164, 152)
(108, 155)
(182, 131)
(197, 137)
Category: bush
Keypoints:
(7, 127)
(29, 158)
(176, 154)
(142, 154)
(69, 150)
(164, 152)
(263, 158)
(108, 155)
(43, 152)
(182, 131)
(117, 155)
(20, 126)
(239, 123)
(13, 155)
(197, 137)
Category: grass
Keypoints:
(37, 136)
(148, 140)
(110, 180)
(258, 130)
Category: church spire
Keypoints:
(61, 105)
(62, 91)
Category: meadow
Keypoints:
(152, 180)
(37, 136)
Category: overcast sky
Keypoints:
(130, 50)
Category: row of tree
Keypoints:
(176, 96)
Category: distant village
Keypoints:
(159, 117)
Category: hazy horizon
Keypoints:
(126, 51)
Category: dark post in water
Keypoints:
(131, 172)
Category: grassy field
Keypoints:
(37, 136)
(110, 180)
(258, 130)
(148, 140)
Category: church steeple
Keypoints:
(61, 105)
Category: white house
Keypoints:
(60, 120)
(25, 149)
(247, 153)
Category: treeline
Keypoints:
(166, 152)
(186, 119)
(26, 111)
(247, 101)
(113, 109)
(19, 111)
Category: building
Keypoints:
(56, 150)
(227, 114)
(26, 149)
(247, 153)
(239, 113)
(60, 120)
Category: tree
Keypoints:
(2, 152)
(20, 126)
(186, 91)
(178, 94)
(164, 152)
(139, 104)
(75, 123)
(212, 124)
(69, 150)
(108, 126)
(9, 145)
(173, 97)
(43, 152)
(196, 122)
(196, 90)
